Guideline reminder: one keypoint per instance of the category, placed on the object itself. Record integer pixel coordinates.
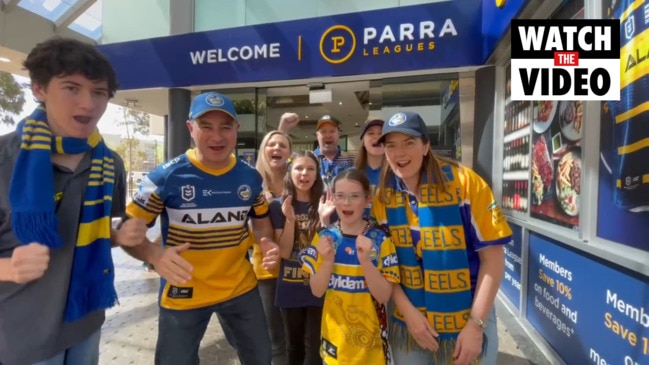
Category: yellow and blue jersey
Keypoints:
(210, 210)
(373, 176)
(483, 223)
(628, 161)
(351, 327)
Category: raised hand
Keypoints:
(326, 249)
(29, 262)
(326, 208)
(287, 122)
(287, 209)
(363, 248)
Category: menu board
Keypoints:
(589, 311)
(511, 283)
(556, 161)
(516, 152)
(556, 153)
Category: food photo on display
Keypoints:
(556, 161)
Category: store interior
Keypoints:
(260, 109)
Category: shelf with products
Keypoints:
(517, 135)
(518, 116)
(516, 195)
(516, 155)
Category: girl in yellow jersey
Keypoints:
(354, 265)
(274, 150)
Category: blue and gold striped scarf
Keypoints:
(34, 219)
(433, 260)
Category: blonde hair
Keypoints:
(263, 165)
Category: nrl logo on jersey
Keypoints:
(187, 192)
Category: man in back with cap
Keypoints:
(205, 198)
(332, 160)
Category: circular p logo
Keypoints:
(337, 44)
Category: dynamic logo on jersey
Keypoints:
(347, 283)
(187, 192)
(397, 119)
(573, 59)
(338, 43)
(244, 192)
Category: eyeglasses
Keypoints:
(353, 197)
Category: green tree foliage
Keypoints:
(12, 98)
(136, 124)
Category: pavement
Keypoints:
(130, 332)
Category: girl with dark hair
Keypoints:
(295, 220)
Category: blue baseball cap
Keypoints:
(409, 123)
(211, 101)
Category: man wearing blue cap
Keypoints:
(205, 198)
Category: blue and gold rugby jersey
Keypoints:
(631, 131)
(351, 332)
(210, 210)
(484, 224)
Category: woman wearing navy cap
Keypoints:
(449, 233)
(371, 156)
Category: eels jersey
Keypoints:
(352, 331)
(631, 113)
(208, 209)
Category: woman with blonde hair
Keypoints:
(274, 150)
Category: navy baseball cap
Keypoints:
(409, 123)
(211, 101)
(371, 123)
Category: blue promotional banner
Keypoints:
(511, 284)
(589, 312)
(443, 34)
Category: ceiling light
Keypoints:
(357, 125)
(4, 59)
(340, 103)
(306, 116)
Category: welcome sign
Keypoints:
(437, 35)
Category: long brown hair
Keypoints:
(431, 166)
(314, 194)
(360, 162)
